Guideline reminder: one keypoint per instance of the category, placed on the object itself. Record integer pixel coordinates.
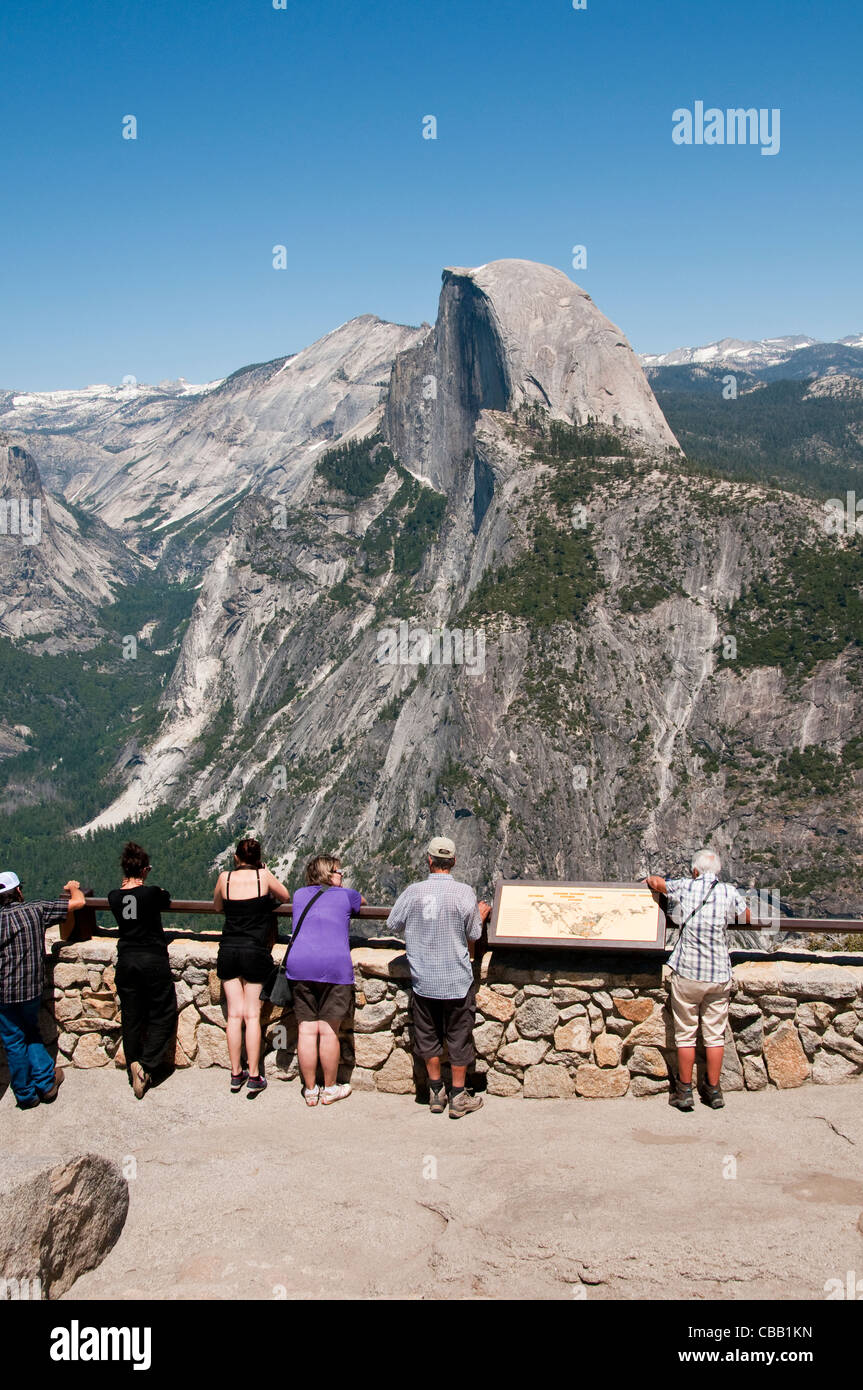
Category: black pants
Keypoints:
(148, 1006)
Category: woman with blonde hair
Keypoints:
(322, 975)
(247, 895)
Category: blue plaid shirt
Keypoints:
(22, 947)
(701, 952)
(439, 917)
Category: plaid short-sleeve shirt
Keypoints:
(701, 952)
(22, 947)
(439, 917)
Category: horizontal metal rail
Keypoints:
(204, 906)
(786, 925)
(817, 924)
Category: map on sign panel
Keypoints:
(576, 911)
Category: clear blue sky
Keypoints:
(303, 127)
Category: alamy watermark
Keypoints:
(841, 518)
(77, 1343)
(850, 1287)
(21, 1290)
(734, 126)
(440, 646)
(21, 516)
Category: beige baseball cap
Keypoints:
(441, 848)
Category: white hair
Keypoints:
(707, 861)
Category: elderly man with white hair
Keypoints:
(701, 979)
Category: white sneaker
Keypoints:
(312, 1096)
(330, 1094)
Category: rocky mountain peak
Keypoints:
(508, 333)
(19, 475)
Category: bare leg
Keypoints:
(713, 1057)
(252, 1019)
(307, 1053)
(433, 1066)
(458, 1077)
(685, 1063)
(235, 1002)
(331, 1051)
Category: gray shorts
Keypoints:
(450, 1021)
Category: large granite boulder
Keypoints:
(57, 1220)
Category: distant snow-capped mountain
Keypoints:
(148, 458)
(737, 352)
(86, 405)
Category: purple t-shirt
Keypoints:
(322, 951)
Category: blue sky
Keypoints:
(303, 127)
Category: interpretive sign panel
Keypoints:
(623, 916)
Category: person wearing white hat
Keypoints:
(32, 1073)
(442, 919)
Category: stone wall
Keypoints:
(604, 1028)
(548, 1023)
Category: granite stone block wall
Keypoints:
(548, 1024)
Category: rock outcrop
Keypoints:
(55, 568)
(507, 334)
(57, 1220)
(165, 464)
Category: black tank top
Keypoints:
(249, 921)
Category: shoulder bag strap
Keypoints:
(698, 906)
(295, 933)
(228, 887)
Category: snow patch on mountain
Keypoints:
(739, 352)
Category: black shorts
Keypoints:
(450, 1021)
(316, 1001)
(243, 963)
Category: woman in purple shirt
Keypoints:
(322, 973)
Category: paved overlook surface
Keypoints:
(266, 1198)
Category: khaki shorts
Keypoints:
(707, 998)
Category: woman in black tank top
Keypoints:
(247, 895)
(249, 930)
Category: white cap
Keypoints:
(8, 882)
(441, 848)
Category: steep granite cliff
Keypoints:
(57, 567)
(509, 333)
(632, 680)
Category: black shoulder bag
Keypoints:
(277, 987)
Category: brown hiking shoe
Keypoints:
(437, 1100)
(46, 1097)
(681, 1096)
(463, 1104)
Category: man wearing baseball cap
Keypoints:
(442, 919)
(22, 978)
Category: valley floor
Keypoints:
(376, 1198)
